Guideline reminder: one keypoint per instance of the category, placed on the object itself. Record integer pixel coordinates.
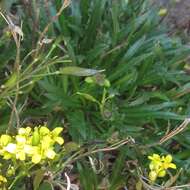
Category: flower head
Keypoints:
(36, 145)
(159, 165)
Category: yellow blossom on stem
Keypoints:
(159, 165)
(167, 162)
(31, 145)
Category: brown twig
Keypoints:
(159, 187)
(174, 132)
(81, 154)
(169, 135)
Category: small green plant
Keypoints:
(101, 81)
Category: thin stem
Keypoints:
(39, 45)
(17, 69)
(15, 180)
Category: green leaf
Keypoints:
(88, 97)
(78, 71)
(39, 175)
(79, 128)
(71, 146)
(11, 81)
(116, 179)
(46, 186)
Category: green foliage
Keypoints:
(143, 65)
(103, 70)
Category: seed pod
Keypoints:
(36, 137)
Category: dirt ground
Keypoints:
(178, 13)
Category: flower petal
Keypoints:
(50, 154)
(11, 148)
(5, 139)
(21, 156)
(21, 131)
(44, 131)
(168, 158)
(36, 158)
(172, 165)
(152, 175)
(57, 131)
(21, 140)
(28, 149)
(59, 140)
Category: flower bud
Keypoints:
(10, 172)
(5, 139)
(44, 131)
(89, 80)
(162, 12)
(36, 137)
(106, 83)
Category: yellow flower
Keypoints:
(20, 155)
(11, 148)
(44, 131)
(20, 139)
(50, 153)
(167, 162)
(31, 145)
(2, 180)
(24, 131)
(36, 158)
(159, 165)
(59, 140)
(46, 142)
(55, 135)
(155, 157)
(56, 132)
(155, 162)
(21, 131)
(28, 149)
(5, 139)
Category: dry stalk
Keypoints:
(18, 36)
(53, 19)
(174, 132)
(81, 154)
(147, 186)
(169, 134)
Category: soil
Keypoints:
(178, 17)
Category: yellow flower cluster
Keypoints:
(36, 145)
(159, 165)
